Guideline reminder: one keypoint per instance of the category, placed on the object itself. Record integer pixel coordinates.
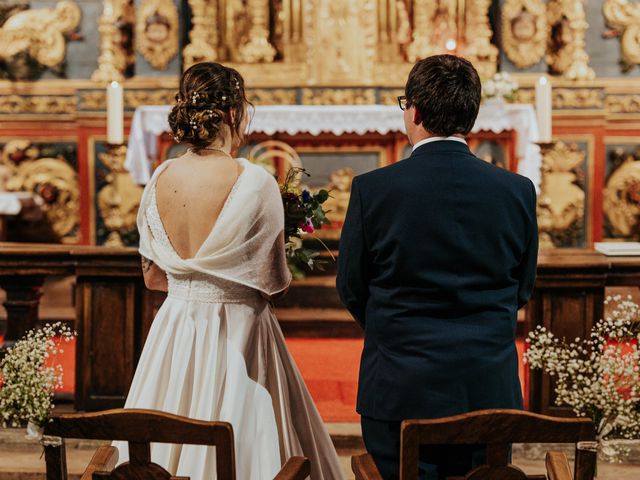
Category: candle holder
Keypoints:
(560, 208)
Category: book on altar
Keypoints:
(618, 248)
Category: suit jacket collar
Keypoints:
(442, 146)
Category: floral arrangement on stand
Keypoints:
(303, 215)
(598, 377)
(501, 87)
(29, 376)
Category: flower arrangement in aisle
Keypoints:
(598, 377)
(303, 215)
(29, 376)
(500, 87)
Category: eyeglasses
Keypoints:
(403, 103)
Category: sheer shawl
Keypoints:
(246, 244)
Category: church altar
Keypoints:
(149, 122)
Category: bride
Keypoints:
(211, 235)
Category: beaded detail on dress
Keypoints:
(195, 286)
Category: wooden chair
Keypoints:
(139, 428)
(496, 429)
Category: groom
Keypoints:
(438, 252)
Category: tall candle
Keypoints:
(543, 108)
(115, 114)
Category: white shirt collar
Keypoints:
(437, 139)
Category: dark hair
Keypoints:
(446, 90)
(208, 93)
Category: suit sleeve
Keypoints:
(353, 259)
(529, 264)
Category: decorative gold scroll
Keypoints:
(479, 48)
(566, 54)
(524, 31)
(424, 13)
(157, 32)
(622, 197)
(41, 33)
(624, 17)
(561, 199)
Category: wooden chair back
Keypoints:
(498, 429)
(139, 428)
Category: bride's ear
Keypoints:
(231, 117)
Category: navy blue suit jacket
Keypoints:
(437, 254)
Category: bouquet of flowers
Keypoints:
(598, 377)
(29, 376)
(501, 86)
(303, 214)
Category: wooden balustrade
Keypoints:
(114, 310)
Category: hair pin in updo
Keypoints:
(194, 97)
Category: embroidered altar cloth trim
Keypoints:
(150, 121)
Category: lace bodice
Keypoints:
(198, 287)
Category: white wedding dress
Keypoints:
(215, 350)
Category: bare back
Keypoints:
(190, 195)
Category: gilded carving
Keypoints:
(92, 100)
(44, 104)
(479, 48)
(622, 196)
(119, 200)
(116, 52)
(524, 31)
(52, 179)
(566, 54)
(40, 34)
(276, 157)
(135, 98)
(390, 97)
(277, 96)
(341, 41)
(568, 98)
(157, 32)
(204, 33)
(526, 95)
(424, 43)
(258, 48)
(340, 188)
(623, 16)
(561, 199)
(623, 103)
(338, 96)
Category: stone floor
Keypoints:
(21, 459)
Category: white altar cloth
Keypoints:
(150, 121)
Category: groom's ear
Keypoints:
(417, 117)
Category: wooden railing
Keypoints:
(114, 310)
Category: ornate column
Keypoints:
(477, 35)
(204, 33)
(566, 52)
(421, 47)
(112, 60)
(623, 16)
(388, 47)
(258, 49)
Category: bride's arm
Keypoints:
(154, 277)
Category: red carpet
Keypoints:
(329, 367)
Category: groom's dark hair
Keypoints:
(446, 90)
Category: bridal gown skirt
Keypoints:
(229, 362)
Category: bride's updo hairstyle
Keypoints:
(209, 93)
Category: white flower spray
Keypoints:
(500, 86)
(27, 379)
(598, 377)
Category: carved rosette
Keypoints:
(479, 49)
(204, 33)
(52, 179)
(561, 199)
(524, 31)
(258, 49)
(623, 16)
(566, 54)
(621, 200)
(157, 32)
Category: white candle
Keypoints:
(115, 114)
(543, 108)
